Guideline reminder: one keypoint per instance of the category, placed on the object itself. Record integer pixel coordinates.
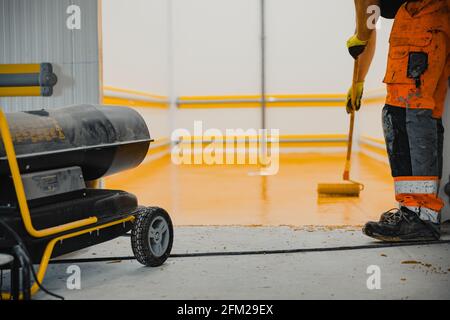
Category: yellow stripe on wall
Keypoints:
(313, 144)
(20, 68)
(374, 149)
(134, 92)
(274, 101)
(253, 101)
(132, 98)
(374, 100)
(283, 144)
(314, 137)
(243, 105)
(159, 146)
(115, 101)
(144, 99)
(373, 144)
(158, 149)
(375, 140)
(20, 92)
(285, 141)
(279, 96)
(303, 137)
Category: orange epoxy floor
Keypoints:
(228, 195)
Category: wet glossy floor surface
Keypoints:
(232, 195)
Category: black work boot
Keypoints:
(402, 224)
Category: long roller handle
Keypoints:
(348, 161)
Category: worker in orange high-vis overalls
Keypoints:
(417, 78)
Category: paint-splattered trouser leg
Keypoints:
(414, 141)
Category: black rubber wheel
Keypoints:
(152, 236)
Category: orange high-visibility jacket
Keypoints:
(426, 30)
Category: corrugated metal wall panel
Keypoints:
(35, 31)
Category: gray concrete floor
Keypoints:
(418, 272)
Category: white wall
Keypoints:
(307, 54)
(135, 45)
(136, 53)
(370, 115)
(216, 47)
(217, 52)
(306, 46)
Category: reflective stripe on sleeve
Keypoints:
(417, 187)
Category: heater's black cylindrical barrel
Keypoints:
(101, 140)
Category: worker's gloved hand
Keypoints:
(356, 46)
(359, 93)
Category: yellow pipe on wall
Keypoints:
(20, 92)
(20, 68)
(133, 98)
(234, 101)
(381, 142)
(318, 137)
(107, 100)
(134, 92)
(378, 150)
(251, 101)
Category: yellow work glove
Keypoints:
(359, 93)
(356, 46)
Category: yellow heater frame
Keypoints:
(25, 212)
